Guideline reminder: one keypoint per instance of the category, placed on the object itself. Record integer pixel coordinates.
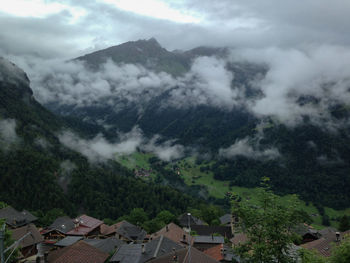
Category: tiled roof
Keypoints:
(130, 231)
(107, 245)
(225, 231)
(153, 249)
(324, 244)
(183, 220)
(86, 225)
(183, 256)
(68, 241)
(225, 219)
(209, 239)
(80, 252)
(239, 238)
(173, 232)
(31, 239)
(15, 218)
(220, 252)
(62, 224)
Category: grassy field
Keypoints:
(192, 175)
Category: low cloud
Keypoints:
(244, 148)
(99, 149)
(300, 82)
(8, 135)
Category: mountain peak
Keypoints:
(154, 41)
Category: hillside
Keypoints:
(39, 173)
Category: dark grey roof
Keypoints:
(130, 253)
(15, 218)
(131, 231)
(224, 231)
(67, 241)
(156, 248)
(183, 220)
(209, 239)
(107, 245)
(225, 219)
(63, 224)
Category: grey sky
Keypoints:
(81, 26)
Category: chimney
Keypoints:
(184, 238)
(337, 236)
(143, 248)
(76, 223)
(212, 236)
(167, 228)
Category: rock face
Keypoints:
(13, 75)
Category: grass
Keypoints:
(190, 172)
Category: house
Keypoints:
(32, 238)
(185, 255)
(324, 245)
(15, 218)
(129, 232)
(184, 219)
(58, 229)
(173, 232)
(203, 230)
(80, 252)
(140, 253)
(226, 220)
(307, 233)
(108, 245)
(238, 239)
(204, 242)
(68, 241)
(222, 254)
(85, 226)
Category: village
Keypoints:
(189, 239)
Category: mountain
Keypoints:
(145, 52)
(308, 158)
(38, 172)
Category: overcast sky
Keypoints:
(67, 28)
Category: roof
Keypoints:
(63, 224)
(209, 239)
(225, 231)
(324, 244)
(86, 225)
(327, 231)
(80, 252)
(68, 241)
(153, 249)
(15, 218)
(130, 231)
(107, 245)
(239, 238)
(183, 220)
(220, 252)
(32, 239)
(173, 232)
(183, 256)
(225, 219)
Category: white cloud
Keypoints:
(243, 147)
(99, 149)
(8, 135)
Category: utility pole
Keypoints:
(189, 237)
(2, 239)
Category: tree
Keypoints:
(137, 216)
(310, 256)
(8, 242)
(165, 216)
(268, 226)
(344, 223)
(341, 253)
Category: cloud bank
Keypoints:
(99, 149)
(8, 135)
